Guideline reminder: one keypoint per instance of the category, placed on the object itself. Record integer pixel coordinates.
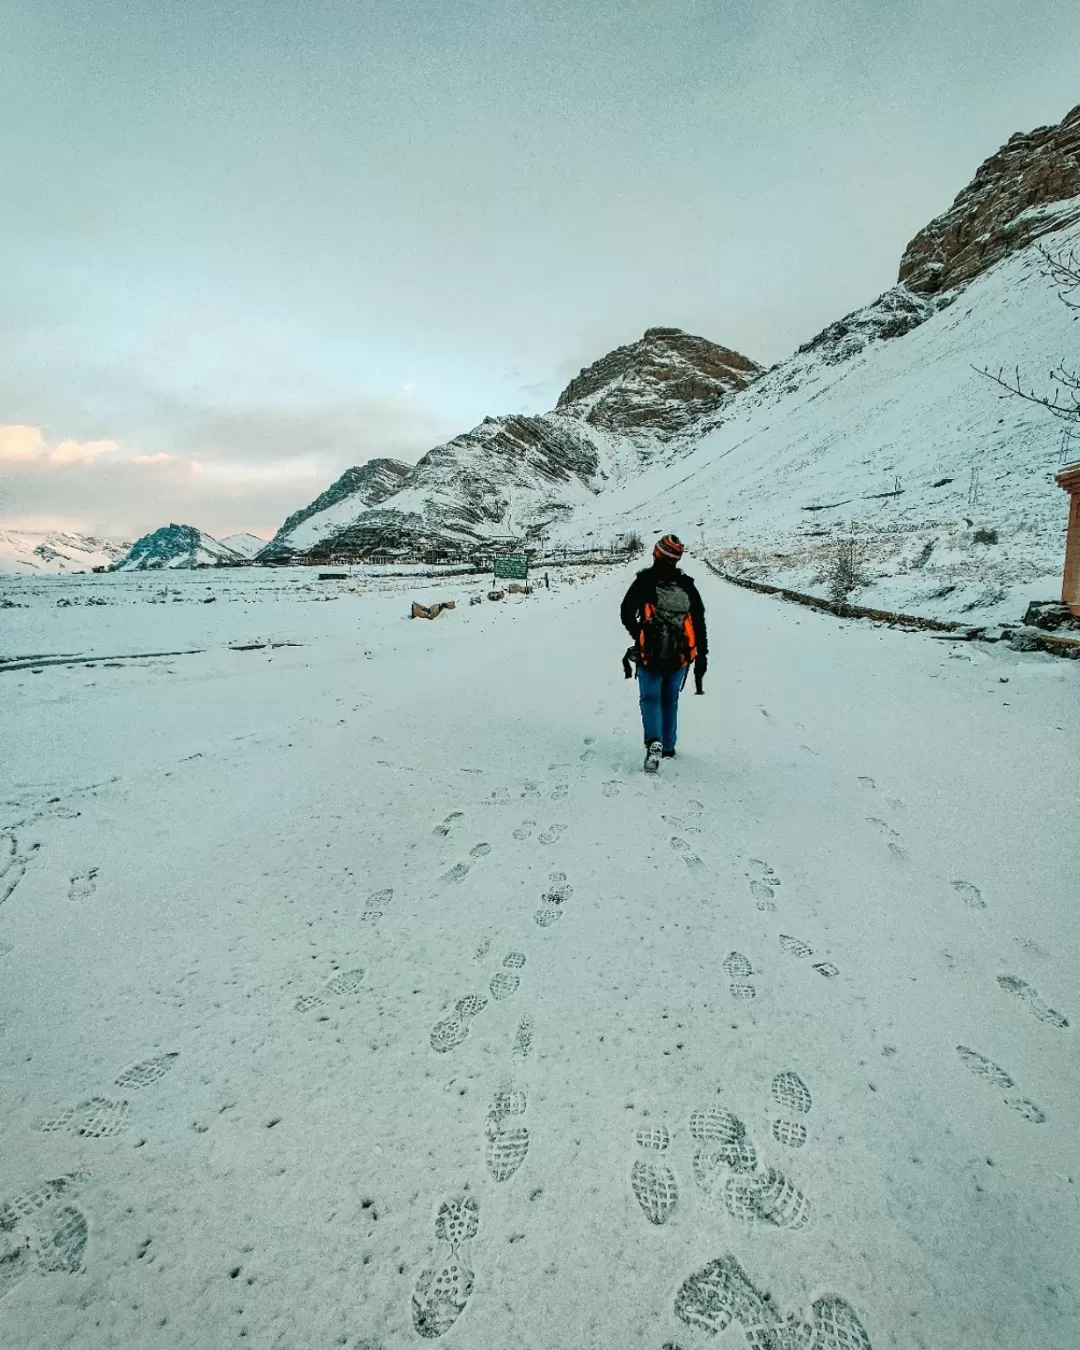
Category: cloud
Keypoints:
(27, 445)
(160, 458)
(80, 452)
(20, 443)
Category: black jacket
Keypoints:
(643, 591)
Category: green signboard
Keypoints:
(512, 567)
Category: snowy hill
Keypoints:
(26, 552)
(247, 545)
(516, 475)
(947, 487)
(882, 427)
(177, 546)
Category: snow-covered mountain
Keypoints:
(25, 552)
(177, 546)
(517, 475)
(247, 545)
(360, 487)
(882, 427)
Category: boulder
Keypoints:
(1050, 615)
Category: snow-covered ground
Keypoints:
(947, 485)
(248, 1098)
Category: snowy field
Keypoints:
(363, 991)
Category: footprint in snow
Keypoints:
(969, 893)
(737, 967)
(677, 823)
(651, 1178)
(92, 1118)
(523, 1039)
(451, 1031)
(146, 1071)
(444, 827)
(525, 829)
(39, 1234)
(442, 1291)
(996, 1076)
(1020, 989)
(690, 858)
(377, 904)
(721, 1292)
(553, 899)
(552, 833)
(507, 1145)
(504, 983)
(345, 983)
(460, 870)
(790, 1094)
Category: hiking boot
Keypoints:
(653, 752)
(669, 754)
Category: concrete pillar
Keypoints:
(1069, 479)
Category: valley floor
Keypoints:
(301, 943)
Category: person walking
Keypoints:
(663, 613)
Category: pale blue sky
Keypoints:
(279, 238)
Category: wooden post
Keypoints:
(1069, 479)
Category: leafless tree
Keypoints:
(1061, 397)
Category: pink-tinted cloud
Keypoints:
(19, 443)
(27, 445)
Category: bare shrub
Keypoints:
(845, 573)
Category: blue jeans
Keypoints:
(659, 697)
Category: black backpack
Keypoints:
(665, 642)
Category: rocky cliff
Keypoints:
(660, 385)
(1028, 188)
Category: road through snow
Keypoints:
(366, 992)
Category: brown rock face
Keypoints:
(662, 384)
(1030, 187)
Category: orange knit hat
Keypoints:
(668, 549)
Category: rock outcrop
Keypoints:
(1030, 187)
(660, 385)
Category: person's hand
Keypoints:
(701, 665)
